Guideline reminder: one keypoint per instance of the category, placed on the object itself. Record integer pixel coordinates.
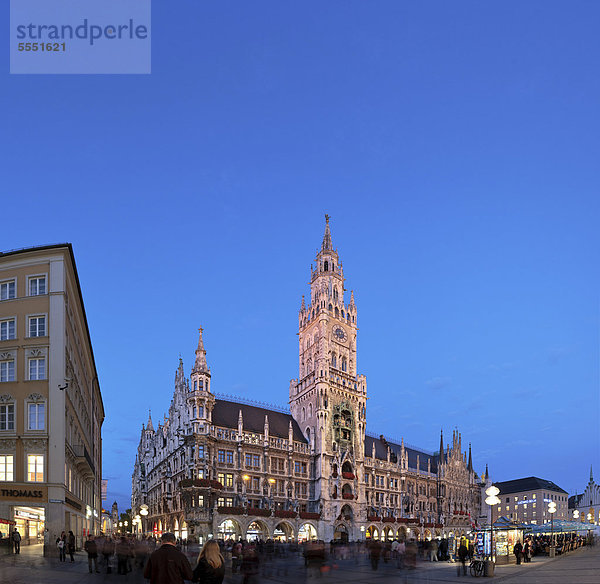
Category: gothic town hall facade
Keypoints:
(227, 468)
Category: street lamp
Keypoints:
(552, 511)
(576, 514)
(492, 500)
(362, 530)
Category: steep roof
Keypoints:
(381, 453)
(225, 414)
(527, 484)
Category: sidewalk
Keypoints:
(579, 567)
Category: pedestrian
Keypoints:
(251, 562)
(61, 544)
(167, 565)
(16, 539)
(91, 547)
(433, 551)
(108, 550)
(211, 565)
(236, 557)
(375, 553)
(527, 552)
(71, 545)
(463, 552)
(123, 553)
(518, 551)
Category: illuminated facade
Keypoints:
(223, 468)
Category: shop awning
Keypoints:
(7, 521)
(560, 526)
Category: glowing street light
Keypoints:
(492, 500)
(576, 514)
(552, 511)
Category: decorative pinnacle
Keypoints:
(200, 364)
(327, 244)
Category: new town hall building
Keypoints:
(223, 468)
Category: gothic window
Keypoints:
(343, 314)
(337, 312)
(310, 413)
(344, 364)
(303, 414)
(333, 360)
(331, 307)
(335, 293)
(326, 266)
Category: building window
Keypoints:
(8, 329)
(229, 456)
(6, 468)
(221, 478)
(201, 473)
(37, 416)
(7, 417)
(37, 368)
(7, 290)
(221, 456)
(201, 451)
(37, 326)
(37, 286)
(228, 480)
(7, 370)
(200, 500)
(200, 411)
(35, 468)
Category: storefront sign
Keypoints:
(25, 492)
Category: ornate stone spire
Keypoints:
(149, 425)
(591, 475)
(470, 464)
(200, 364)
(303, 304)
(352, 303)
(327, 245)
(442, 445)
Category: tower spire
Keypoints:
(327, 245)
(149, 425)
(200, 364)
(470, 464)
(441, 445)
(591, 475)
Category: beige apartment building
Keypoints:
(526, 500)
(51, 409)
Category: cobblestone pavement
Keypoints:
(579, 567)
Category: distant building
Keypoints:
(526, 500)
(587, 503)
(51, 410)
(224, 468)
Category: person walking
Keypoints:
(108, 550)
(91, 547)
(71, 545)
(518, 551)
(463, 553)
(211, 565)
(61, 544)
(16, 539)
(375, 548)
(433, 551)
(123, 553)
(167, 565)
(527, 552)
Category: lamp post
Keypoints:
(144, 514)
(492, 500)
(552, 511)
(576, 514)
(362, 531)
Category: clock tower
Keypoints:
(328, 400)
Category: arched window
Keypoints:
(326, 266)
(343, 315)
(333, 266)
(310, 410)
(331, 307)
(335, 293)
(303, 414)
(333, 360)
(344, 364)
(309, 366)
(337, 312)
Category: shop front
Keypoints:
(25, 508)
(30, 521)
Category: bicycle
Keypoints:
(477, 567)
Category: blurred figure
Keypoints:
(375, 548)
(211, 565)
(463, 552)
(167, 565)
(91, 548)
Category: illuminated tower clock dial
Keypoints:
(340, 333)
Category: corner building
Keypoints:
(51, 410)
(223, 468)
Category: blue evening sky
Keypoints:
(455, 146)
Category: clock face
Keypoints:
(340, 333)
